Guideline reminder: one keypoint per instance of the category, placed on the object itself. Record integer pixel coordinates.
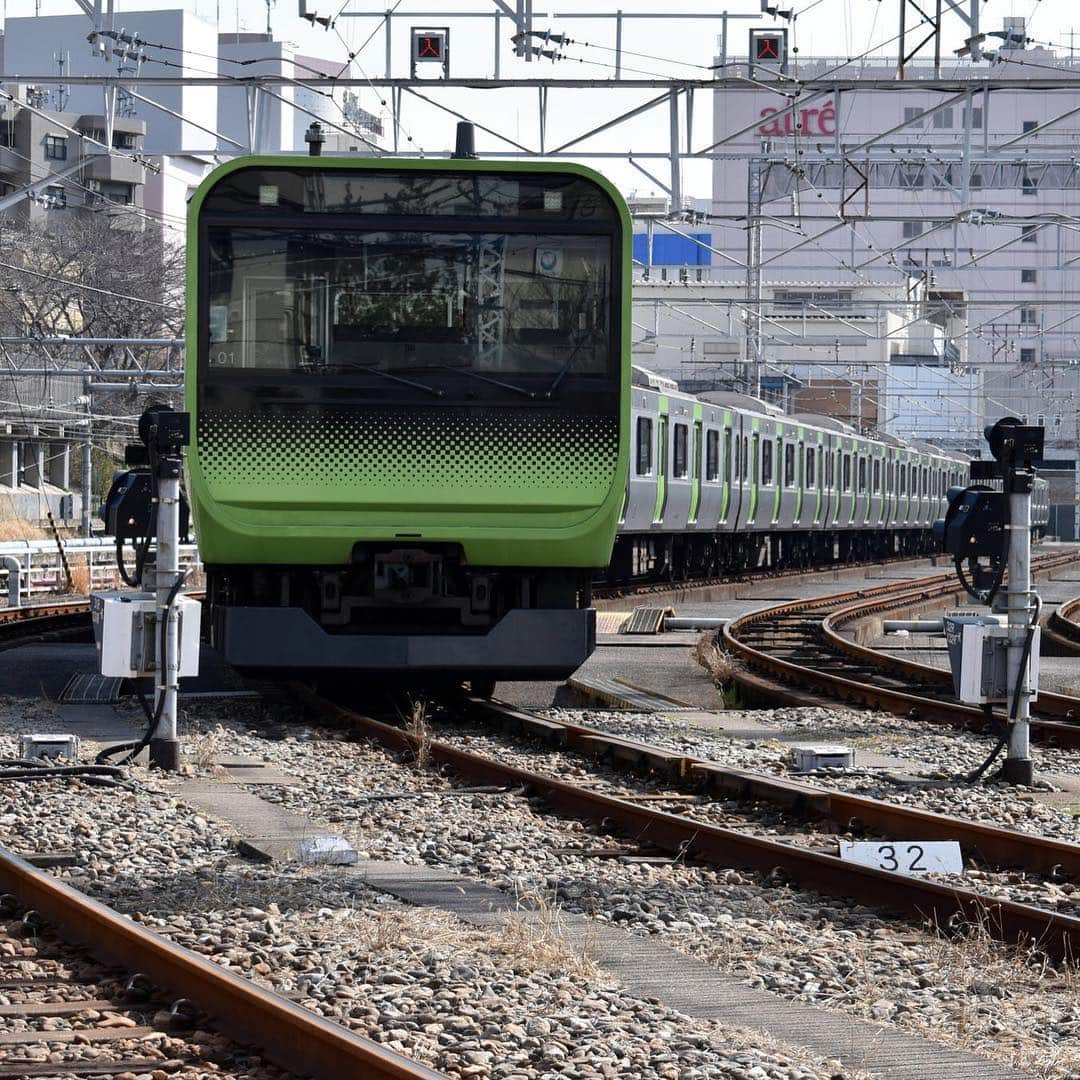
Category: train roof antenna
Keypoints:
(466, 140)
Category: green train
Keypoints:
(410, 399)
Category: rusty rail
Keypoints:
(1058, 935)
(291, 1037)
(1062, 629)
(917, 690)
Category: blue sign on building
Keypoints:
(671, 250)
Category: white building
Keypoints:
(976, 189)
(37, 46)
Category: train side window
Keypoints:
(830, 472)
(925, 478)
(789, 465)
(903, 478)
(644, 446)
(877, 475)
(846, 473)
(746, 457)
(862, 474)
(679, 467)
(766, 463)
(811, 480)
(731, 469)
(697, 451)
(712, 453)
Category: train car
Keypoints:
(723, 483)
(409, 385)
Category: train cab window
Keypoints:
(712, 453)
(862, 474)
(877, 476)
(846, 473)
(811, 479)
(679, 465)
(789, 465)
(644, 446)
(766, 463)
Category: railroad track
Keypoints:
(1062, 629)
(283, 1033)
(693, 839)
(794, 654)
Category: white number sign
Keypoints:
(905, 856)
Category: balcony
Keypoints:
(117, 169)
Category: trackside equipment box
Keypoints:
(979, 658)
(126, 633)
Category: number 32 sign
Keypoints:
(905, 856)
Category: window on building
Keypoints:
(1029, 185)
(712, 455)
(910, 115)
(942, 176)
(976, 117)
(766, 463)
(976, 180)
(124, 140)
(1028, 316)
(644, 446)
(1028, 277)
(680, 465)
(55, 197)
(56, 148)
(1027, 356)
(1030, 125)
(789, 465)
(811, 479)
(912, 229)
(846, 473)
(943, 118)
(1029, 234)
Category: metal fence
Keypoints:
(39, 569)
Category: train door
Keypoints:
(641, 500)
(661, 467)
(845, 484)
(800, 478)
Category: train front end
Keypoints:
(409, 393)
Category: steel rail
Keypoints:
(1050, 705)
(1062, 629)
(1058, 935)
(775, 678)
(990, 844)
(290, 1036)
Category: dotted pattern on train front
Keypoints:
(397, 451)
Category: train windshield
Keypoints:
(484, 304)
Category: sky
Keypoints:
(667, 47)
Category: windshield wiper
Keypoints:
(488, 379)
(565, 369)
(434, 391)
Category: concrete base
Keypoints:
(1018, 771)
(165, 754)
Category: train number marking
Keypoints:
(905, 857)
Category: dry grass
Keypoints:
(535, 936)
(418, 725)
(203, 748)
(17, 528)
(713, 659)
(80, 575)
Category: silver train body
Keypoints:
(719, 483)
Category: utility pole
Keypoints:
(756, 170)
(87, 459)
